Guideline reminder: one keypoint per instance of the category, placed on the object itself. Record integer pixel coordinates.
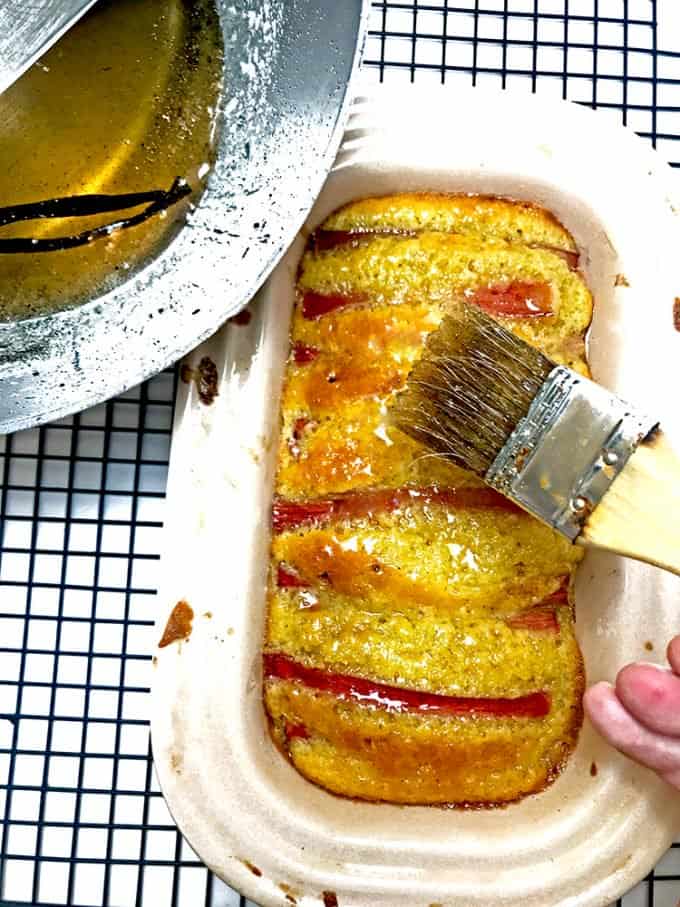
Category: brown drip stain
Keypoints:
(652, 438)
(288, 891)
(621, 281)
(208, 615)
(649, 646)
(242, 318)
(676, 313)
(251, 866)
(176, 762)
(593, 769)
(179, 624)
(330, 899)
(204, 377)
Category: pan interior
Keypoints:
(126, 102)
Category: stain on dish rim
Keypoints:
(256, 871)
(179, 625)
(242, 318)
(289, 892)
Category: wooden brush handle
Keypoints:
(639, 516)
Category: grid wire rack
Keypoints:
(82, 504)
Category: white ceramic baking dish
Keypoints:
(248, 814)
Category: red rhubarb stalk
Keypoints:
(296, 730)
(324, 240)
(535, 619)
(396, 699)
(519, 299)
(288, 514)
(315, 305)
(287, 579)
(291, 514)
(542, 616)
(302, 354)
(559, 596)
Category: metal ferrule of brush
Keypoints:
(560, 460)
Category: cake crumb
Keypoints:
(204, 376)
(179, 624)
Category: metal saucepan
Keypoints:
(287, 65)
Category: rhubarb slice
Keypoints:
(535, 619)
(396, 699)
(292, 514)
(296, 730)
(519, 299)
(315, 305)
(543, 615)
(324, 240)
(288, 579)
(302, 354)
(559, 596)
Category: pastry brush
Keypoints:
(557, 444)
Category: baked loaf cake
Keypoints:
(420, 641)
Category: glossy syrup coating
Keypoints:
(391, 569)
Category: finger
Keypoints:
(672, 778)
(652, 696)
(626, 733)
(673, 654)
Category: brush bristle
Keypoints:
(473, 384)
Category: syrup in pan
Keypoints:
(124, 105)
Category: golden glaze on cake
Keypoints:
(420, 641)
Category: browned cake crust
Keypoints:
(420, 640)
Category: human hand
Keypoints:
(640, 715)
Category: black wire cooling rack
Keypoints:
(82, 505)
